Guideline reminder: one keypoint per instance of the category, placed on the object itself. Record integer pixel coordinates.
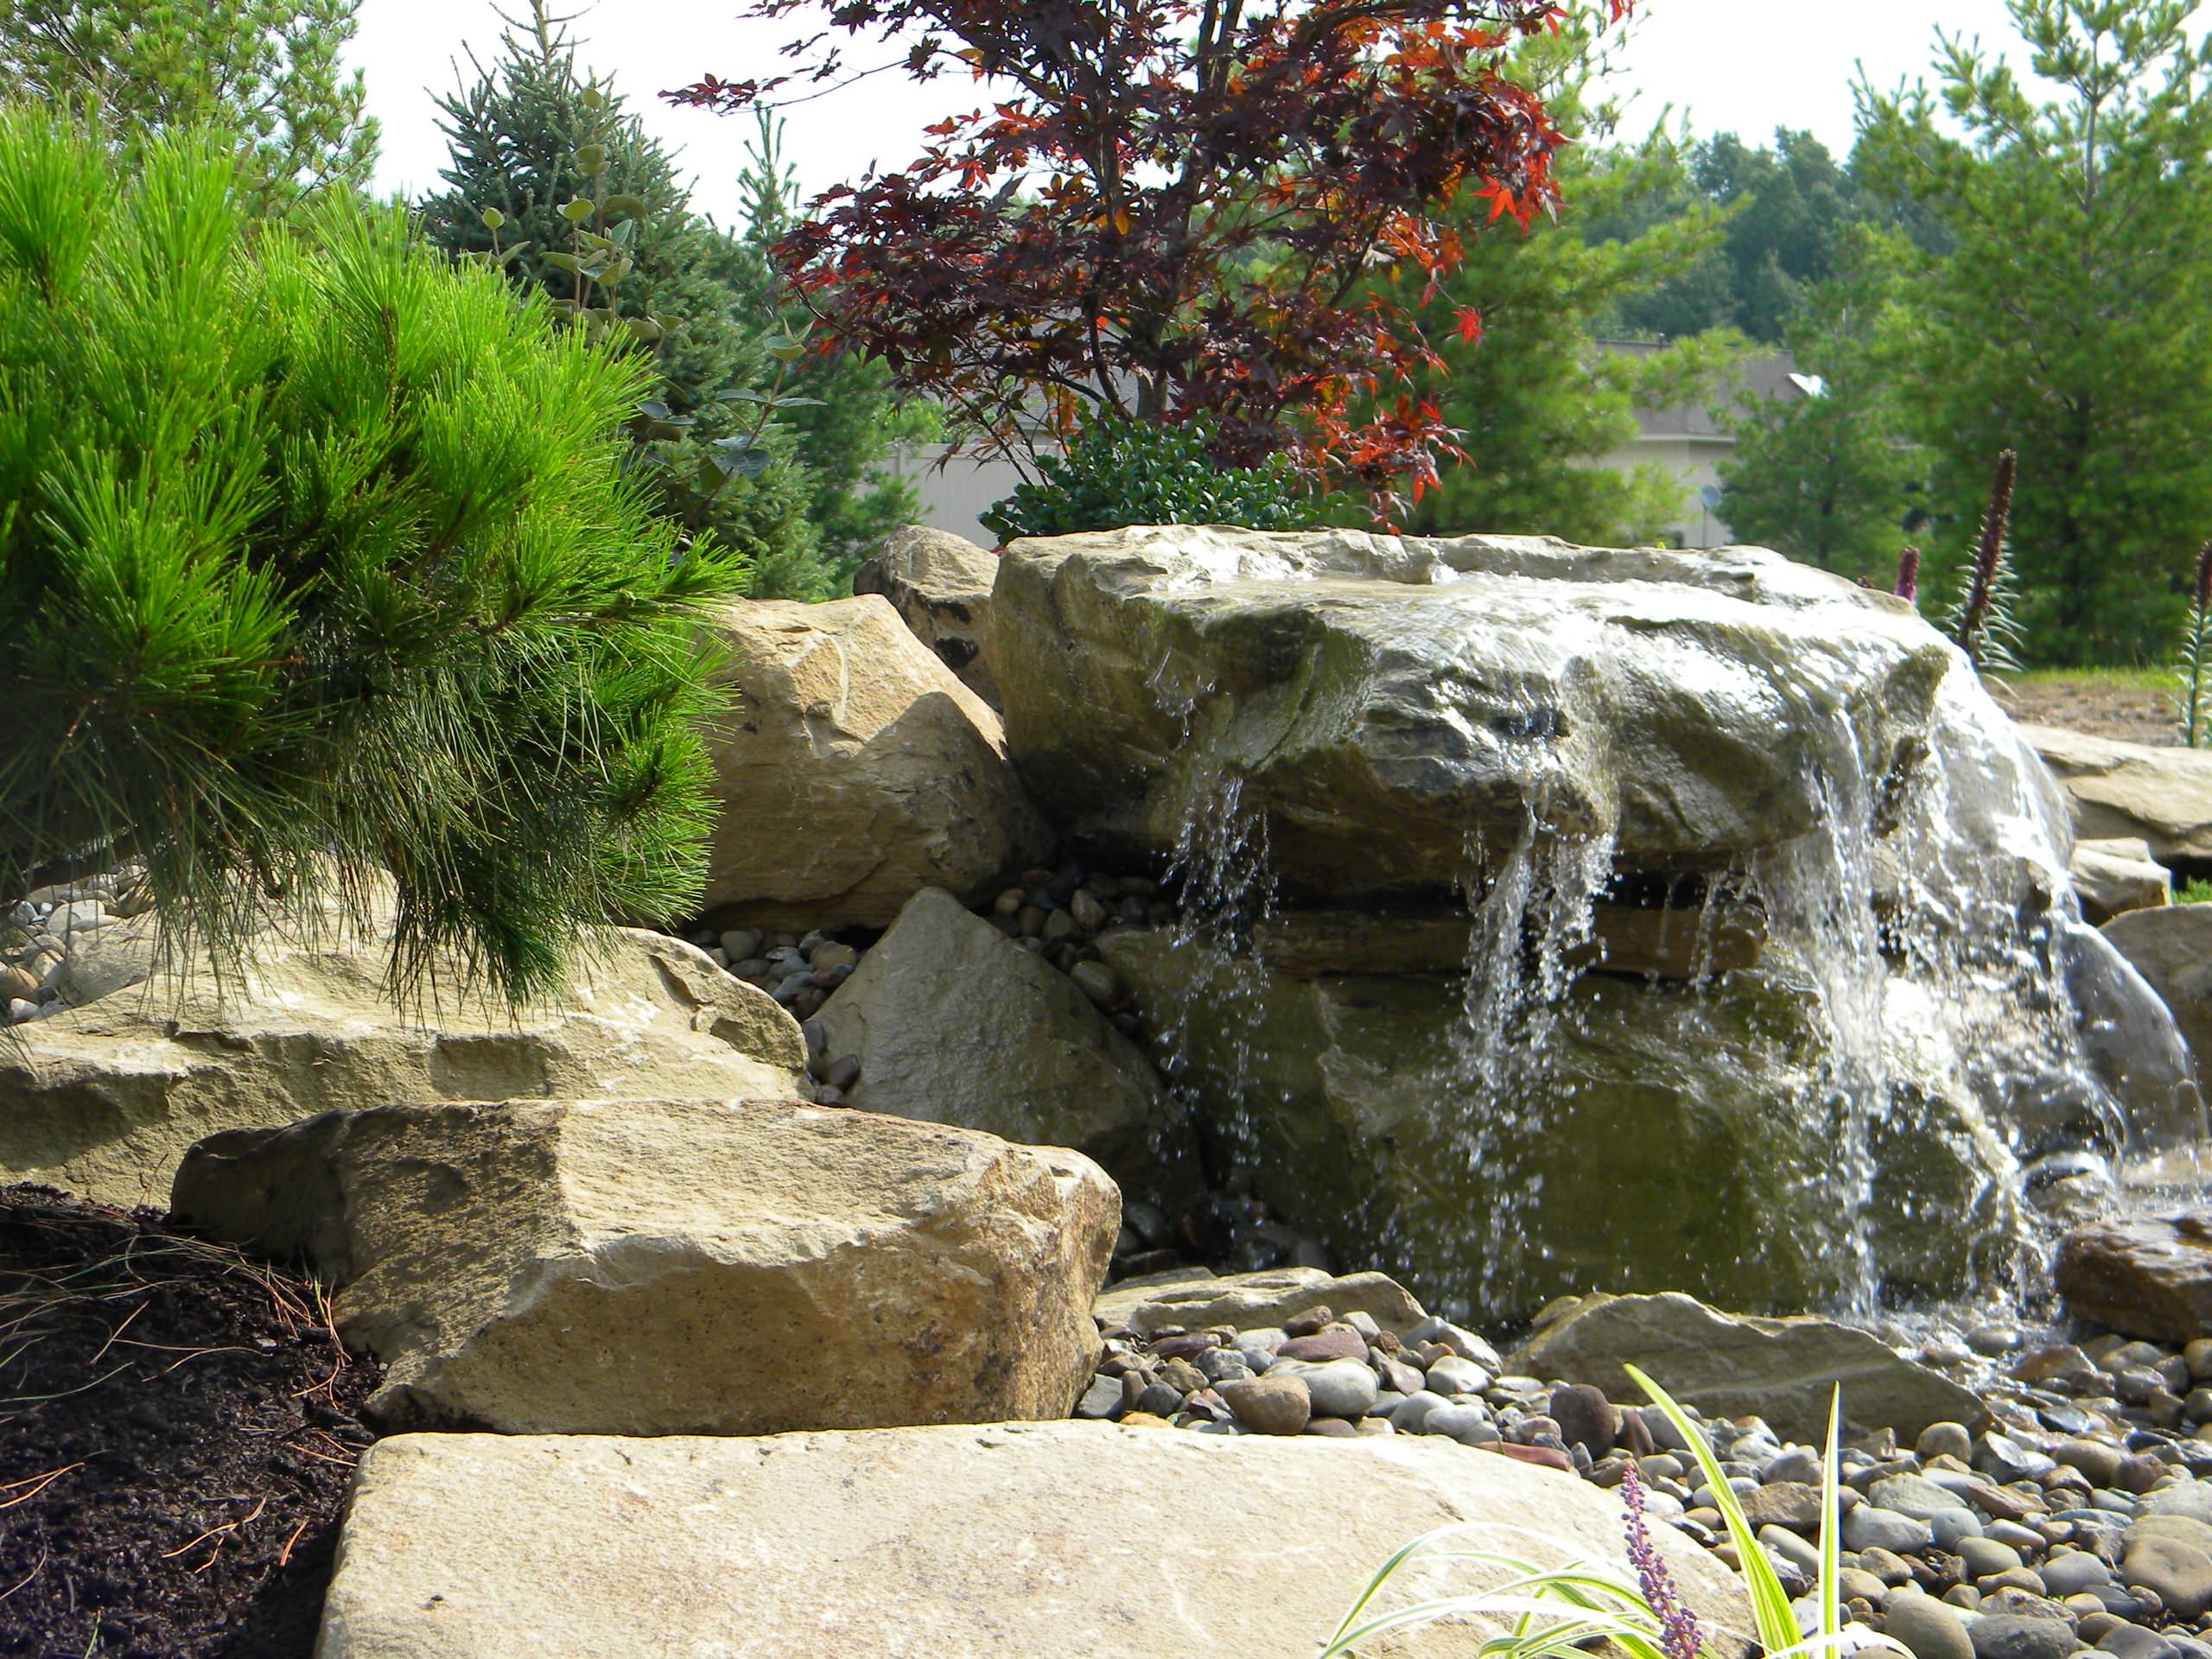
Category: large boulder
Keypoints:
(2147, 1276)
(2171, 948)
(1726, 1365)
(103, 1099)
(2133, 791)
(941, 584)
(854, 771)
(1660, 1139)
(1388, 704)
(952, 1022)
(2113, 877)
(1822, 878)
(1083, 1540)
(679, 1266)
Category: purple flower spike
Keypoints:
(1678, 1633)
(1908, 588)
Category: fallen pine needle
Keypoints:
(37, 1483)
(284, 1555)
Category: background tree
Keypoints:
(1538, 399)
(319, 563)
(516, 137)
(2073, 321)
(267, 71)
(1829, 478)
(1211, 184)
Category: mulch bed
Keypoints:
(177, 1429)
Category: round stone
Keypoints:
(2013, 1635)
(1343, 1387)
(1270, 1405)
(1929, 1628)
(1945, 1441)
(1870, 1528)
(1469, 1425)
(1984, 1556)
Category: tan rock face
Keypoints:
(1082, 1540)
(941, 584)
(681, 1267)
(854, 770)
(2146, 1277)
(2113, 877)
(1723, 1364)
(103, 1100)
(2160, 796)
(1196, 1298)
(954, 1023)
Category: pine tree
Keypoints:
(268, 73)
(317, 559)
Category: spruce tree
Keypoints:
(318, 560)
(266, 71)
(516, 136)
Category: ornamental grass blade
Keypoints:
(1831, 1566)
(1777, 1626)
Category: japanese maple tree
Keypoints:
(1169, 213)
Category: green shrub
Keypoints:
(316, 560)
(1119, 472)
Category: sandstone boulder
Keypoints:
(854, 771)
(2162, 797)
(1726, 1365)
(2146, 1277)
(2171, 948)
(1198, 1298)
(2113, 877)
(941, 584)
(1082, 1540)
(1387, 703)
(679, 1266)
(952, 1022)
(103, 1100)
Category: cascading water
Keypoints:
(1828, 1095)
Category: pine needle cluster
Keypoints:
(2193, 709)
(317, 561)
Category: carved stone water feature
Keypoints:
(1560, 918)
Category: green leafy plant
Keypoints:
(320, 565)
(1551, 1612)
(2194, 718)
(1119, 472)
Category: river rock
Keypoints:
(680, 1267)
(855, 769)
(2118, 790)
(103, 1100)
(2173, 950)
(2148, 1277)
(2181, 1573)
(2113, 877)
(953, 1023)
(1727, 1366)
(1929, 1629)
(1198, 1298)
(940, 585)
(1004, 1542)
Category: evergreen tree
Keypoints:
(1829, 479)
(1537, 398)
(519, 137)
(317, 559)
(2072, 320)
(268, 73)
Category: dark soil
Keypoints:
(177, 1428)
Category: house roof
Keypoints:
(1769, 375)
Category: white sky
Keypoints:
(1744, 66)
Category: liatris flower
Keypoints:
(1980, 623)
(1908, 588)
(1678, 1633)
(2197, 656)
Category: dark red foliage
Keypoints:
(1171, 212)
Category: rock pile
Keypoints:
(2071, 1509)
(50, 924)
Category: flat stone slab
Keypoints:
(1198, 1298)
(1011, 1541)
